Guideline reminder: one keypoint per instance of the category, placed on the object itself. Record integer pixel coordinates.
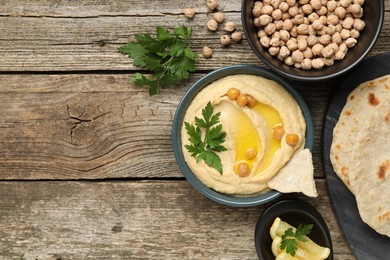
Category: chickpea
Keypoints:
(289, 61)
(258, 3)
(274, 42)
(312, 40)
(297, 56)
(355, 33)
(212, 4)
(313, 17)
(274, 50)
(340, 12)
(237, 36)
(261, 34)
(308, 53)
(288, 24)
(317, 25)
(219, 16)
(283, 6)
(302, 44)
(230, 26)
(277, 15)
(284, 35)
(250, 153)
(348, 23)
(336, 38)
(293, 11)
(355, 9)
(334, 46)
(307, 9)
(275, 3)
(292, 45)
(270, 28)
(278, 25)
(233, 93)
(286, 16)
(189, 13)
(332, 19)
(251, 101)
(317, 63)
(242, 100)
(267, 9)
(345, 3)
(264, 41)
(323, 19)
(298, 19)
(278, 132)
(284, 52)
(303, 29)
(316, 4)
(256, 22)
(340, 54)
(328, 61)
(330, 29)
(306, 64)
(322, 11)
(327, 52)
(317, 49)
(345, 34)
(359, 24)
(207, 52)
(212, 25)
(225, 40)
(243, 169)
(350, 42)
(291, 2)
(265, 19)
(292, 139)
(331, 5)
(256, 11)
(325, 39)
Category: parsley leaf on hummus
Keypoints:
(205, 146)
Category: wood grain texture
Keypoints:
(95, 126)
(78, 36)
(131, 220)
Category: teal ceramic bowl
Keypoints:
(234, 201)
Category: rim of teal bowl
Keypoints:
(225, 199)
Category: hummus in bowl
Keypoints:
(265, 125)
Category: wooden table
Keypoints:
(86, 163)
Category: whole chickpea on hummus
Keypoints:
(265, 130)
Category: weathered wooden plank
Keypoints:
(93, 8)
(131, 220)
(50, 43)
(87, 126)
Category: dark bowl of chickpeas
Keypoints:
(312, 40)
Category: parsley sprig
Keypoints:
(168, 56)
(206, 148)
(290, 238)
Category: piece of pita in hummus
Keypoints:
(296, 176)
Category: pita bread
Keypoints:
(296, 176)
(369, 174)
(360, 104)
